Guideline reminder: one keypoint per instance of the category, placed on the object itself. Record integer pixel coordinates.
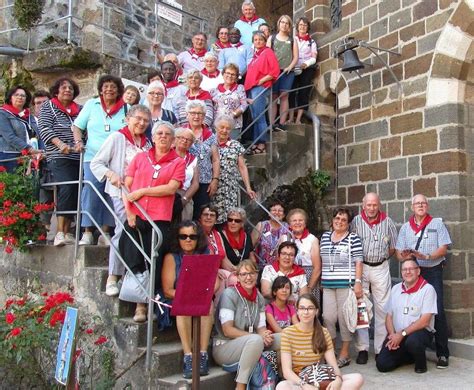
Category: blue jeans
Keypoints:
(434, 276)
(256, 108)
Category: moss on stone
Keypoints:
(22, 77)
(81, 59)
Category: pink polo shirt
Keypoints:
(146, 173)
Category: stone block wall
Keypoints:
(418, 141)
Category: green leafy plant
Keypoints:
(321, 181)
(27, 13)
(20, 224)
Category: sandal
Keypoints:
(343, 362)
(260, 150)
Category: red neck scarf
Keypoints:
(238, 44)
(25, 113)
(178, 74)
(252, 297)
(295, 270)
(221, 45)
(170, 156)
(420, 283)
(129, 137)
(418, 228)
(303, 235)
(202, 95)
(249, 21)
(224, 144)
(71, 110)
(206, 132)
(304, 37)
(197, 54)
(211, 76)
(380, 217)
(232, 88)
(171, 84)
(188, 158)
(257, 53)
(239, 245)
(115, 108)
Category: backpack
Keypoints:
(264, 376)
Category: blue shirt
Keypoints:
(98, 125)
(246, 29)
(240, 56)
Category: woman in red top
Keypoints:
(262, 71)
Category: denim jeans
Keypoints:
(434, 276)
(256, 108)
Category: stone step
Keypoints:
(94, 255)
(463, 348)
(217, 379)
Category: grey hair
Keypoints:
(413, 199)
(190, 104)
(184, 130)
(156, 85)
(224, 118)
(259, 33)
(159, 124)
(248, 2)
(193, 73)
(210, 55)
(237, 210)
(139, 108)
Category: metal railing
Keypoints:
(108, 11)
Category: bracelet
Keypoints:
(78, 142)
(215, 178)
(358, 281)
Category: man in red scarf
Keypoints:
(410, 321)
(427, 239)
(194, 57)
(379, 236)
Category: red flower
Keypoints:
(9, 302)
(21, 302)
(8, 249)
(15, 332)
(89, 331)
(42, 237)
(25, 152)
(44, 294)
(77, 353)
(40, 320)
(7, 203)
(58, 316)
(2, 168)
(100, 340)
(10, 318)
(25, 215)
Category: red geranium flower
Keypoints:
(10, 318)
(8, 249)
(58, 316)
(40, 320)
(89, 331)
(7, 203)
(100, 340)
(2, 168)
(42, 237)
(77, 353)
(21, 302)
(15, 332)
(9, 302)
(25, 152)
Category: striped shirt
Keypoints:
(52, 123)
(376, 240)
(335, 260)
(299, 345)
(435, 236)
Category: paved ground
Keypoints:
(459, 375)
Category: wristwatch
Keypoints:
(404, 333)
(358, 281)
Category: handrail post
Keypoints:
(149, 330)
(69, 22)
(103, 27)
(270, 115)
(79, 192)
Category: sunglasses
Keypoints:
(236, 220)
(192, 237)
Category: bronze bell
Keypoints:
(351, 61)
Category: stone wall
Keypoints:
(418, 141)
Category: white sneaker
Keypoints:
(111, 289)
(87, 239)
(70, 239)
(59, 239)
(102, 241)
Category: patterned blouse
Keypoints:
(202, 149)
(228, 101)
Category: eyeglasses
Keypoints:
(193, 113)
(286, 254)
(18, 95)
(211, 215)
(247, 274)
(156, 94)
(192, 237)
(236, 220)
(162, 134)
(277, 210)
(141, 119)
(230, 74)
(409, 269)
(308, 309)
(420, 204)
(184, 139)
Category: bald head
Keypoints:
(371, 205)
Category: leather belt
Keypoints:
(375, 264)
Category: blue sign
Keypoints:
(66, 347)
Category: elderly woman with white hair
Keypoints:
(184, 139)
(152, 179)
(211, 76)
(155, 96)
(109, 165)
(195, 93)
(232, 168)
(205, 150)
